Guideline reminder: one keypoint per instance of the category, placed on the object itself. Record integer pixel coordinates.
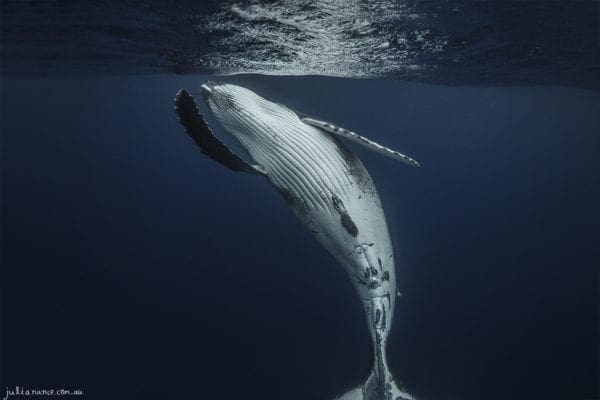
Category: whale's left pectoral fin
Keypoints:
(355, 137)
(195, 126)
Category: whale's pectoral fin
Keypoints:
(197, 128)
(371, 145)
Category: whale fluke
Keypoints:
(195, 126)
(374, 389)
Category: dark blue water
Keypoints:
(134, 267)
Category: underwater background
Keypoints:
(134, 267)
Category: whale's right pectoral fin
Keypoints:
(355, 137)
(195, 126)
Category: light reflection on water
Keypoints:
(334, 38)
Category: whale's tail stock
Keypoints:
(380, 384)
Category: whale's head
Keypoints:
(243, 113)
(227, 100)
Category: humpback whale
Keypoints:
(327, 187)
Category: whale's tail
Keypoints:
(377, 387)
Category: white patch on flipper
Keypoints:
(355, 137)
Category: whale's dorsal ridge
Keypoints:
(195, 126)
(355, 137)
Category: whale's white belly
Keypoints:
(332, 193)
